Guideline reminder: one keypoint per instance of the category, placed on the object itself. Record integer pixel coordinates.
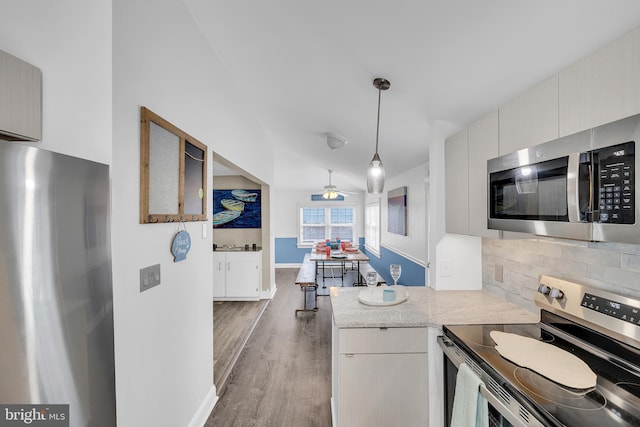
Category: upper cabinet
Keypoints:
(466, 154)
(483, 145)
(531, 118)
(601, 88)
(456, 172)
(20, 100)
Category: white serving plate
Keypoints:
(374, 296)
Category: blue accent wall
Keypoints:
(413, 274)
(287, 251)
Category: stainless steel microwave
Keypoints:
(582, 186)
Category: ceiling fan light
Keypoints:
(330, 195)
(375, 176)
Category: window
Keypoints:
(321, 223)
(372, 227)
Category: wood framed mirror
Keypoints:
(173, 172)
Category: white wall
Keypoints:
(286, 204)
(164, 354)
(462, 254)
(414, 244)
(75, 58)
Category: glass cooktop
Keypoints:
(615, 401)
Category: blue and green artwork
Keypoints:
(236, 209)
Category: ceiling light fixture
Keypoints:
(375, 173)
(335, 141)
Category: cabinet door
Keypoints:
(219, 269)
(483, 145)
(456, 173)
(383, 390)
(531, 118)
(243, 275)
(601, 88)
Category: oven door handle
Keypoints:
(448, 349)
(501, 408)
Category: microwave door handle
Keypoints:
(591, 192)
(573, 187)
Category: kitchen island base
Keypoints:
(379, 377)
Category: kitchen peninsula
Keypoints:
(386, 365)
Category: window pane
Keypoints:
(372, 226)
(341, 232)
(313, 216)
(311, 233)
(341, 216)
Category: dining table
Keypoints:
(338, 256)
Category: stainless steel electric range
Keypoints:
(600, 328)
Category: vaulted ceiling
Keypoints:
(306, 68)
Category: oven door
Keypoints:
(502, 413)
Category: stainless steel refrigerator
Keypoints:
(56, 302)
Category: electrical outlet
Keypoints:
(149, 277)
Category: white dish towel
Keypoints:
(470, 408)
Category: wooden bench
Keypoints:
(365, 268)
(306, 279)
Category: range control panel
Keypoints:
(616, 166)
(611, 308)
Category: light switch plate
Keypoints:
(498, 273)
(149, 277)
(445, 268)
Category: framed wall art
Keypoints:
(237, 209)
(397, 211)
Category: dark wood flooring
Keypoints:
(233, 323)
(283, 374)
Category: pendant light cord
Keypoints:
(378, 123)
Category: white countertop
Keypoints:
(426, 307)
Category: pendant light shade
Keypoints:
(375, 173)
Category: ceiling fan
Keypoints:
(331, 192)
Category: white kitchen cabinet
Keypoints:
(20, 99)
(531, 118)
(236, 275)
(456, 172)
(219, 274)
(380, 377)
(601, 88)
(483, 145)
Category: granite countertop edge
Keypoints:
(427, 307)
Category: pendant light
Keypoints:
(375, 173)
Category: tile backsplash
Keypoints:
(519, 263)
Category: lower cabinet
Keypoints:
(237, 275)
(380, 377)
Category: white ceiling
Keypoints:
(306, 68)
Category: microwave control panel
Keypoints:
(616, 167)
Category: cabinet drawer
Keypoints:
(377, 340)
